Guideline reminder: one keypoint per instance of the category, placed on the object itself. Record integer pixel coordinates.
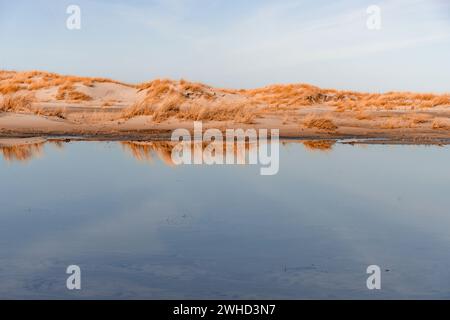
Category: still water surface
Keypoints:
(141, 228)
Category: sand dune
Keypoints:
(42, 103)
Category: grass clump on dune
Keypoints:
(16, 102)
(23, 103)
(319, 122)
(441, 124)
(184, 100)
(179, 109)
(68, 92)
(11, 82)
(235, 112)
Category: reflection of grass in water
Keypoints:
(58, 144)
(22, 153)
(142, 151)
(28, 151)
(319, 145)
(145, 151)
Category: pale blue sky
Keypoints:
(235, 43)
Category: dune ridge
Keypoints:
(50, 103)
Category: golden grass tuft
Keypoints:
(11, 82)
(90, 117)
(441, 124)
(23, 103)
(51, 112)
(8, 88)
(236, 112)
(16, 102)
(68, 92)
(138, 109)
(361, 115)
(419, 118)
(168, 109)
(443, 100)
(192, 90)
(392, 123)
(187, 101)
(319, 122)
(78, 96)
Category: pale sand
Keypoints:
(19, 125)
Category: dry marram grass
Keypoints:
(441, 124)
(319, 122)
(23, 103)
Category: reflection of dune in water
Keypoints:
(25, 150)
(58, 144)
(319, 145)
(22, 153)
(146, 151)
